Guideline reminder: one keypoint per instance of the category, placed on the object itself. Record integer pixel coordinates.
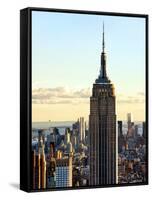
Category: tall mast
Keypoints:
(103, 78)
(103, 73)
(103, 42)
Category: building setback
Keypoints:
(102, 128)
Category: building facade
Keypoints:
(81, 129)
(64, 172)
(51, 167)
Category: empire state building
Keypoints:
(102, 128)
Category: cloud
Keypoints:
(139, 98)
(130, 101)
(63, 95)
(141, 93)
(60, 95)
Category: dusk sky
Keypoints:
(66, 52)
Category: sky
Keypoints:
(66, 51)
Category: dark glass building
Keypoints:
(120, 129)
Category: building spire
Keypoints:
(103, 73)
(103, 42)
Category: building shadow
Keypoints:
(15, 185)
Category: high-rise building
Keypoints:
(74, 140)
(129, 120)
(50, 139)
(41, 142)
(67, 136)
(56, 135)
(43, 170)
(75, 128)
(41, 136)
(37, 172)
(121, 139)
(120, 128)
(39, 164)
(51, 167)
(102, 128)
(51, 176)
(81, 130)
(131, 126)
(144, 129)
(136, 130)
(64, 172)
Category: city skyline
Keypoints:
(74, 61)
(57, 159)
(105, 151)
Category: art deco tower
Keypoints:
(102, 128)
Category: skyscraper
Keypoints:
(39, 170)
(120, 128)
(39, 164)
(144, 129)
(129, 119)
(102, 128)
(43, 170)
(81, 130)
(67, 136)
(64, 172)
(136, 130)
(37, 173)
(51, 166)
(121, 139)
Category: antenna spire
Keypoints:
(103, 72)
(103, 41)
